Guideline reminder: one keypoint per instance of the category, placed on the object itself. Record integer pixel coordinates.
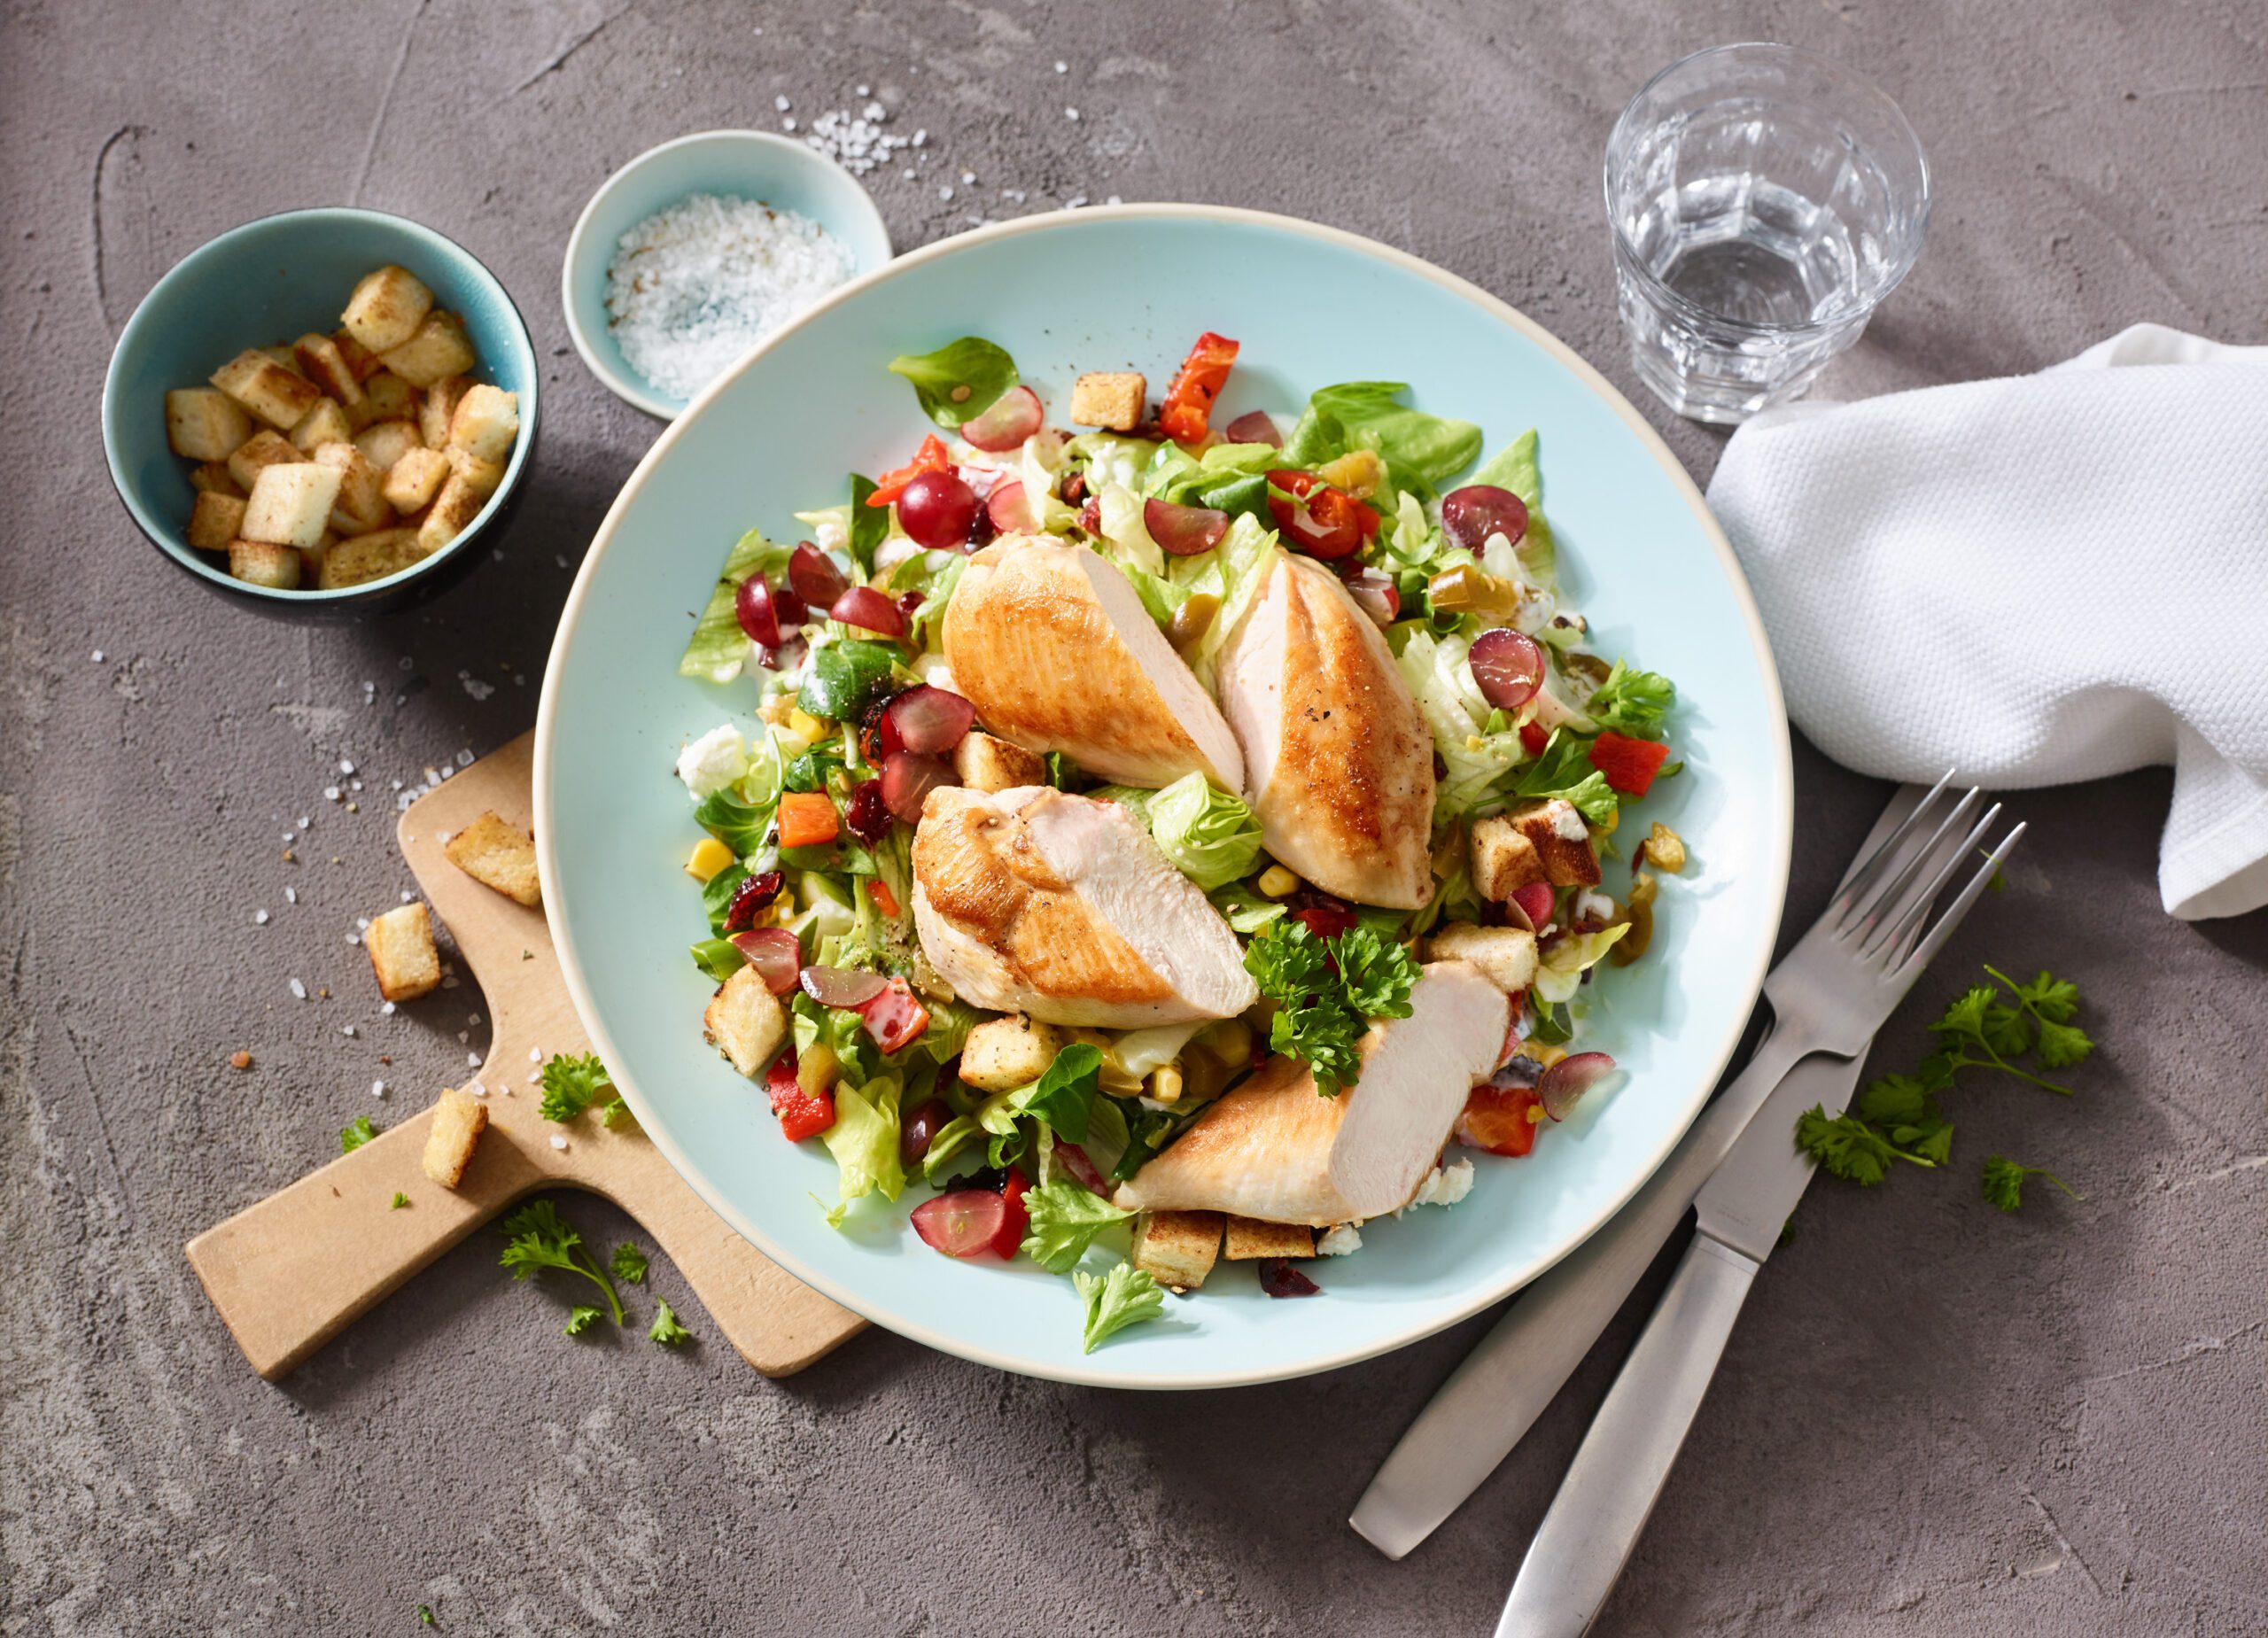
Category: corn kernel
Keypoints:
(709, 857)
(802, 722)
(815, 1069)
(1544, 1052)
(1165, 1084)
(1536, 1114)
(1276, 881)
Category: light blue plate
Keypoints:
(1131, 287)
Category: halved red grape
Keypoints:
(766, 615)
(894, 1017)
(1508, 665)
(1470, 515)
(1184, 531)
(935, 511)
(908, 777)
(1279, 1278)
(864, 607)
(1255, 426)
(866, 814)
(963, 1223)
(1006, 509)
(755, 892)
(928, 720)
(814, 577)
(841, 986)
(918, 1129)
(1565, 1081)
(1012, 417)
(1535, 902)
(1320, 521)
(775, 953)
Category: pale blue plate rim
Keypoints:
(1096, 1370)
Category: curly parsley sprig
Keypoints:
(1327, 990)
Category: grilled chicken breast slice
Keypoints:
(1338, 762)
(1272, 1149)
(1053, 647)
(1060, 907)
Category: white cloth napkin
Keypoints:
(2034, 580)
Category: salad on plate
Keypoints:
(1157, 843)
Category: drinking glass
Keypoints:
(1764, 201)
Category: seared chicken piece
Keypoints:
(1053, 647)
(1274, 1150)
(1339, 761)
(1060, 907)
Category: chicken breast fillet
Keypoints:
(1273, 1150)
(1338, 764)
(1053, 647)
(1060, 907)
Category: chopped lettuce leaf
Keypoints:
(1037, 464)
(1632, 702)
(1066, 1219)
(847, 677)
(1246, 909)
(733, 820)
(869, 524)
(959, 381)
(1063, 1095)
(863, 1142)
(1138, 1052)
(1210, 835)
(719, 649)
(933, 575)
(1123, 1297)
(1514, 467)
(1455, 708)
(1419, 450)
(1560, 974)
(1233, 572)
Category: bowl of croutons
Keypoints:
(322, 412)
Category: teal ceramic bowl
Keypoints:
(267, 283)
(1105, 290)
(747, 165)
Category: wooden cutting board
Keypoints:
(294, 1271)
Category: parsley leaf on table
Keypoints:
(666, 1330)
(1125, 1296)
(1065, 1219)
(569, 1083)
(399, 1200)
(617, 1114)
(2003, 1182)
(355, 1133)
(630, 1264)
(1845, 1145)
(541, 1238)
(580, 1319)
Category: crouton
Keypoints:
(271, 392)
(439, 348)
(1505, 955)
(361, 504)
(400, 946)
(386, 397)
(483, 477)
(439, 408)
(486, 421)
(320, 362)
(497, 853)
(1177, 1249)
(204, 424)
(416, 477)
(214, 479)
(262, 563)
(386, 308)
(1247, 1239)
(459, 1118)
(290, 505)
(983, 763)
(1003, 1053)
(1110, 398)
(263, 449)
(215, 521)
(745, 1022)
(385, 442)
(1540, 842)
(312, 558)
(363, 558)
(359, 359)
(325, 424)
(453, 512)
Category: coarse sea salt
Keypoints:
(694, 286)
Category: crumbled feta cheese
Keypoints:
(713, 761)
(1339, 1241)
(831, 536)
(1445, 1185)
(1595, 906)
(1567, 821)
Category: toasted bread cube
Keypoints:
(385, 442)
(440, 407)
(1505, 955)
(312, 558)
(386, 397)
(290, 505)
(284, 356)
(415, 478)
(400, 946)
(459, 1118)
(497, 853)
(320, 362)
(358, 358)
(1247, 1239)
(363, 558)
(483, 477)
(1177, 1249)
(1109, 398)
(486, 422)
(386, 308)
(983, 763)
(263, 449)
(451, 514)
(214, 477)
(260, 562)
(438, 349)
(276, 395)
(203, 423)
(1540, 842)
(361, 504)
(746, 1022)
(215, 521)
(325, 424)
(1003, 1053)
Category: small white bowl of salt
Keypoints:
(696, 251)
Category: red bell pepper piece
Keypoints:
(1534, 737)
(801, 1115)
(1629, 765)
(894, 1017)
(1499, 1118)
(931, 457)
(1186, 415)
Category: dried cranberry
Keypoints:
(1075, 488)
(1279, 1278)
(1323, 915)
(753, 894)
(981, 529)
(908, 601)
(1090, 516)
(992, 1178)
(866, 814)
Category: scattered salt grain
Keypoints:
(96, 657)
(472, 1059)
(557, 1142)
(305, 821)
(534, 1056)
(474, 1089)
(406, 895)
(1070, 113)
(330, 793)
(290, 896)
(1062, 67)
(377, 1089)
(464, 759)
(694, 286)
(473, 686)
(345, 766)
(781, 103)
(260, 918)
(787, 124)
(347, 1030)
(387, 1009)
(299, 990)
(946, 192)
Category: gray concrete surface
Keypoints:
(1933, 1420)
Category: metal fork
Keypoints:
(1829, 994)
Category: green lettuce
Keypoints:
(1233, 572)
(1066, 1219)
(959, 381)
(1420, 451)
(1210, 835)
(1123, 1297)
(719, 649)
(1632, 702)
(1560, 974)
(933, 575)
(1514, 467)
(1477, 760)
(847, 676)
(863, 1142)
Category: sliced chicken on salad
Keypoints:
(1166, 837)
